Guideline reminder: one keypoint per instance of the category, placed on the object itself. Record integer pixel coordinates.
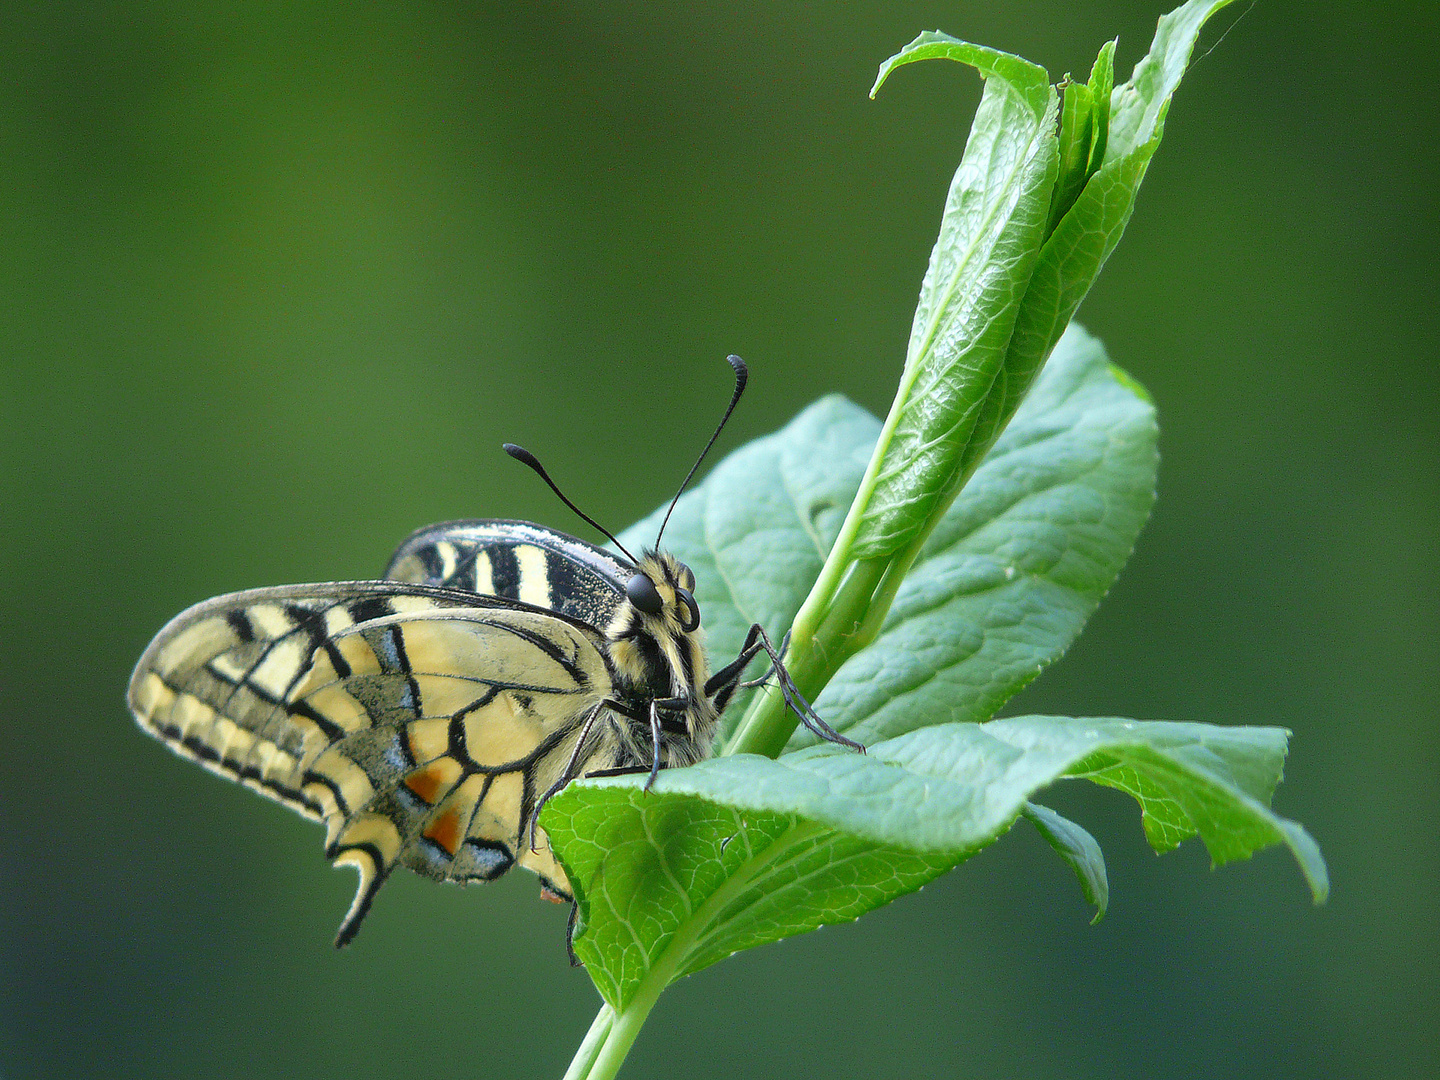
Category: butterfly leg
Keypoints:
(728, 677)
(763, 679)
(796, 700)
(570, 935)
(655, 744)
(726, 681)
(625, 710)
(623, 770)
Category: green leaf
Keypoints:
(1101, 86)
(1029, 80)
(669, 884)
(1138, 108)
(990, 236)
(1077, 139)
(1087, 233)
(738, 851)
(1084, 130)
(1019, 563)
(1079, 849)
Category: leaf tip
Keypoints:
(925, 37)
(1312, 864)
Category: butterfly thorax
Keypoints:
(657, 652)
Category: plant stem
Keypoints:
(622, 1032)
(584, 1060)
(838, 604)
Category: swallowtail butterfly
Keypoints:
(425, 718)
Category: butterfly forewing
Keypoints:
(420, 724)
(519, 561)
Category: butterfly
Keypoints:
(426, 718)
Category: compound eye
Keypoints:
(690, 617)
(641, 591)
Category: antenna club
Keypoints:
(520, 454)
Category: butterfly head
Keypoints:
(661, 594)
(655, 639)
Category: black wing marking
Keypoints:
(517, 560)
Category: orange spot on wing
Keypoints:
(547, 893)
(429, 782)
(445, 831)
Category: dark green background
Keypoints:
(276, 281)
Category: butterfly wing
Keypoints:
(421, 725)
(516, 560)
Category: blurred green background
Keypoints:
(278, 279)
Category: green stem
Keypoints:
(884, 595)
(835, 641)
(840, 617)
(621, 1035)
(584, 1060)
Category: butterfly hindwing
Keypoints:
(420, 724)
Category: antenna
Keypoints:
(742, 373)
(520, 454)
